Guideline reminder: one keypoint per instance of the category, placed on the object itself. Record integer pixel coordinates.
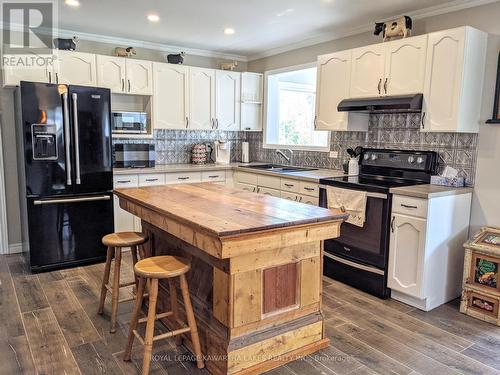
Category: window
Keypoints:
(290, 110)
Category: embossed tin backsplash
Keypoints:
(393, 131)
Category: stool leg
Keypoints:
(175, 307)
(135, 318)
(150, 325)
(105, 279)
(133, 250)
(191, 322)
(115, 295)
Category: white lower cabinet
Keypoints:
(267, 191)
(246, 187)
(289, 196)
(314, 201)
(124, 221)
(407, 244)
(426, 248)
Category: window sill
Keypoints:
(297, 148)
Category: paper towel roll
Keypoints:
(245, 152)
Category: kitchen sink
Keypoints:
(278, 168)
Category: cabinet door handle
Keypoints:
(254, 188)
(213, 123)
(129, 85)
(57, 78)
(216, 123)
(423, 120)
(392, 224)
(187, 122)
(315, 122)
(123, 84)
(378, 86)
(385, 85)
(300, 200)
(408, 206)
(50, 77)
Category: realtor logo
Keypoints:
(27, 27)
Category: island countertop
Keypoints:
(256, 269)
(224, 211)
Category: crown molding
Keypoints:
(65, 33)
(435, 10)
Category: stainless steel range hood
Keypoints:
(383, 104)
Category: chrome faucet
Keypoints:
(287, 158)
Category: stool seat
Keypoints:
(162, 267)
(124, 239)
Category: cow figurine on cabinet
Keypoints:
(125, 52)
(400, 27)
(65, 44)
(176, 58)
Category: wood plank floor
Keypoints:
(49, 325)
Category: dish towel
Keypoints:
(352, 202)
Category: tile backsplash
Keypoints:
(392, 131)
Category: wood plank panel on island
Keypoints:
(256, 260)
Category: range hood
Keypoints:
(383, 104)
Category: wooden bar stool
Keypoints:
(115, 242)
(152, 269)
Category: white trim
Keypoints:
(436, 10)
(64, 33)
(4, 238)
(264, 108)
(16, 248)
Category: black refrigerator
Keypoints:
(64, 142)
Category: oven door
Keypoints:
(367, 245)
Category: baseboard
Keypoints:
(16, 248)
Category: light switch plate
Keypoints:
(334, 154)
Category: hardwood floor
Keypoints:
(49, 325)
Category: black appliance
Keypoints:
(133, 155)
(359, 257)
(129, 122)
(383, 104)
(64, 144)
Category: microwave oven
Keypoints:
(129, 122)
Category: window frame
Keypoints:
(264, 127)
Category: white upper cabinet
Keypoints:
(111, 73)
(227, 100)
(201, 98)
(13, 74)
(251, 87)
(405, 66)
(367, 71)
(334, 77)
(170, 96)
(139, 77)
(454, 80)
(76, 68)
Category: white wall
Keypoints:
(486, 200)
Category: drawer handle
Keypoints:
(123, 181)
(213, 176)
(151, 179)
(183, 178)
(407, 206)
(289, 185)
(309, 189)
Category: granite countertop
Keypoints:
(427, 191)
(312, 176)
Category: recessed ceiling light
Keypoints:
(153, 17)
(72, 3)
(229, 31)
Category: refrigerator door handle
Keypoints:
(72, 200)
(67, 138)
(74, 97)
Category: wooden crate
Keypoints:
(481, 284)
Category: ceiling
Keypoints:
(262, 26)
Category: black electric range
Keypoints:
(359, 256)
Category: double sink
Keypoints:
(277, 168)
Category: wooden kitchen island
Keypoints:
(255, 280)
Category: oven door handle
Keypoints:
(368, 194)
(353, 264)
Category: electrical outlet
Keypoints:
(334, 154)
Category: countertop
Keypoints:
(428, 191)
(312, 176)
(223, 211)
